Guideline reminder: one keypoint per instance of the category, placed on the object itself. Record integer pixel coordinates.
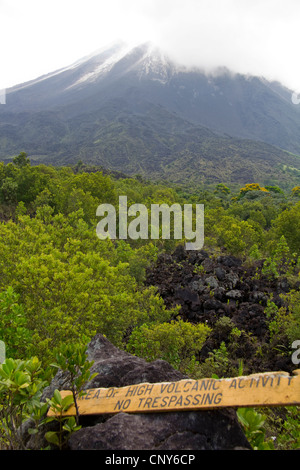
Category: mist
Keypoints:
(250, 37)
(258, 37)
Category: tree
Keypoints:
(13, 325)
(72, 285)
(21, 160)
(9, 191)
(296, 191)
(177, 342)
(237, 236)
(274, 189)
(251, 187)
(287, 224)
(222, 189)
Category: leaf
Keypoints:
(8, 366)
(32, 431)
(24, 385)
(57, 397)
(67, 402)
(241, 417)
(52, 438)
(70, 425)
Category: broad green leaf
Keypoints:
(67, 402)
(57, 397)
(52, 437)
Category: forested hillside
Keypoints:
(134, 110)
(60, 284)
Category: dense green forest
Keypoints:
(60, 284)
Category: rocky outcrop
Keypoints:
(209, 287)
(185, 430)
(180, 430)
(163, 431)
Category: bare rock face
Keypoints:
(208, 430)
(116, 368)
(185, 430)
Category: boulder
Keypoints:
(231, 279)
(212, 304)
(229, 261)
(162, 431)
(212, 282)
(220, 273)
(234, 294)
(117, 368)
(185, 430)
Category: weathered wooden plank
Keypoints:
(267, 389)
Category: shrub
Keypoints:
(21, 385)
(13, 324)
(177, 342)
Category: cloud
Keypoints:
(249, 36)
(259, 37)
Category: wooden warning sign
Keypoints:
(266, 389)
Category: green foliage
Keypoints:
(236, 236)
(280, 262)
(21, 160)
(296, 191)
(9, 189)
(137, 258)
(67, 425)
(21, 385)
(284, 322)
(276, 428)
(253, 424)
(37, 413)
(282, 256)
(222, 190)
(262, 211)
(217, 363)
(274, 189)
(251, 187)
(270, 269)
(291, 320)
(254, 252)
(72, 359)
(71, 284)
(60, 285)
(13, 325)
(177, 342)
(289, 438)
(278, 324)
(287, 224)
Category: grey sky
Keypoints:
(250, 36)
